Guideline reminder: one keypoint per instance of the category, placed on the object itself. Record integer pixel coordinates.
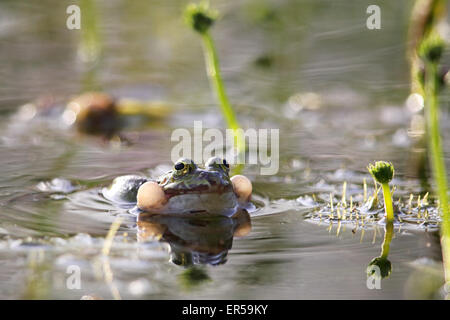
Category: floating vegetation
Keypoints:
(366, 212)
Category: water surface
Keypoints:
(272, 53)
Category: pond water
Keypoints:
(335, 90)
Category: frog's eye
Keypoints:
(225, 163)
(218, 163)
(184, 166)
(179, 166)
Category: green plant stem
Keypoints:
(212, 66)
(438, 164)
(388, 202)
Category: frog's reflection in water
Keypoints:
(200, 239)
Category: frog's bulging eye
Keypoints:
(184, 166)
(225, 163)
(179, 166)
(218, 163)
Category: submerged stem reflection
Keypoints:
(382, 262)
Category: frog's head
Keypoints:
(186, 177)
(189, 188)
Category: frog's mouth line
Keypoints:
(201, 189)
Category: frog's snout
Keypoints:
(242, 187)
(151, 196)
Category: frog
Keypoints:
(185, 189)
